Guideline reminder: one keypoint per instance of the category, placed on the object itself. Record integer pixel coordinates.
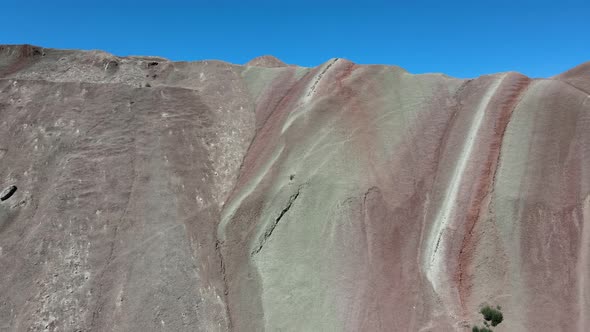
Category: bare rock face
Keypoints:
(205, 196)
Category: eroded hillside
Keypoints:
(183, 196)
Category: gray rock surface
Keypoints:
(123, 165)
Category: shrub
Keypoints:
(494, 316)
(480, 329)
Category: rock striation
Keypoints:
(208, 196)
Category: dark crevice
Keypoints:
(437, 244)
(274, 224)
(365, 221)
(319, 77)
(7, 193)
(218, 245)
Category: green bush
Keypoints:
(494, 316)
(480, 329)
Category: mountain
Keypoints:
(144, 194)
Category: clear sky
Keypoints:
(460, 38)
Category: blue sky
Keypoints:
(460, 38)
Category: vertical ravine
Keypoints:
(434, 261)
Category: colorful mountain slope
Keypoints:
(162, 195)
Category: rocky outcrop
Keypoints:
(161, 195)
(267, 61)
